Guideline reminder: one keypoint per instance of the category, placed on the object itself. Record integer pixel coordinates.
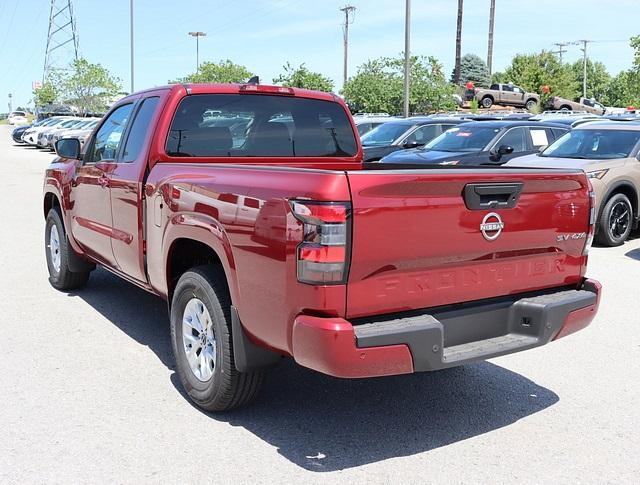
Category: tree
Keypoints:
(456, 69)
(90, 87)
(624, 89)
(378, 86)
(301, 77)
(597, 78)
(532, 71)
(224, 71)
(47, 94)
(474, 69)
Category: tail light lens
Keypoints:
(323, 254)
(592, 222)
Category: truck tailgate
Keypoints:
(418, 239)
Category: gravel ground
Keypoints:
(89, 392)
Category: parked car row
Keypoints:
(44, 133)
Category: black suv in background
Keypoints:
(404, 134)
(482, 142)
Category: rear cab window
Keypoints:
(249, 125)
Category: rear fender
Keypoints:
(207, 230)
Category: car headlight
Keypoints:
(597, 174)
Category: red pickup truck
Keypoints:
(248, 208)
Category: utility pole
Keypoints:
(348, 10)
(407, 56)
(584, 66)
(456, 69)
(197, 35)
(131, 32)
(492, 15)
(561, 49)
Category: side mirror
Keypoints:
(542, 148)
(496, 155)
(68, 148)
(412, 144)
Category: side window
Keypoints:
(515, 138)
(107, 140)
(230, 198)
(506, 87)
(541, 137)
(558, 133)
(495, 87)
(252, 203)
(139, 129)
(424, 134)
(517, 90)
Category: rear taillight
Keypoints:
(323, 254)
(592, 223)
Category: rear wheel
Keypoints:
(565, 108)
(486, 102)
(58, 252)
(202, 343)
(614, 225)
(531, 104)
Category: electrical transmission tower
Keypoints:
(62, 38)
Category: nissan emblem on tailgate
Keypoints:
(491, 226)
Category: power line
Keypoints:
(348, 10)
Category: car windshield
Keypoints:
(384, 134)
(594, 144)
(463, 139)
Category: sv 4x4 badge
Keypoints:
(571, 237)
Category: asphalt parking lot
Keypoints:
(89, 394)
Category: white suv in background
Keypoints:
(17, 118)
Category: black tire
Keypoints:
(614, 224)
(227, 388)
(531, 104)
(486, 102)
(61, 278)
(565, 108)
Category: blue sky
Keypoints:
(264, 34)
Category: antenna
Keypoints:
(62, 38)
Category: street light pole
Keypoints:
(197, 35)
(407, 56)
(131, 32)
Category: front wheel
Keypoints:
(486, 102)
(531, 104)
(202, 345)
(614, 225)
(58, 252)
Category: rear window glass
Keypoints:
(249, 125)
